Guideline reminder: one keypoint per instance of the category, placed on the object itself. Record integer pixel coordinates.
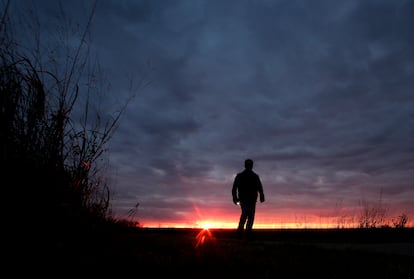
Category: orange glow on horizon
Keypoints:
(233, 225)
(206, 226)
(283, 224)
(300, 219)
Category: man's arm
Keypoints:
(261, 192)
(234, 190)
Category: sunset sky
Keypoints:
(320, 94)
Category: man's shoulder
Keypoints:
(247, 173)
(255, 175)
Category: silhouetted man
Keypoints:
(246, 188)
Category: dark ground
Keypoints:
(219, 253)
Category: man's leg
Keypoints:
(243, 218)
(250, 220)
(242, 221)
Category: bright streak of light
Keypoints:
(203, 236)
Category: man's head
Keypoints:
(248, 164)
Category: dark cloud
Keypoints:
(318, 93)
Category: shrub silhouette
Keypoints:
(53, 167)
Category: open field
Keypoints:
(219, 253)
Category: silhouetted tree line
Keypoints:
(53, 170)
